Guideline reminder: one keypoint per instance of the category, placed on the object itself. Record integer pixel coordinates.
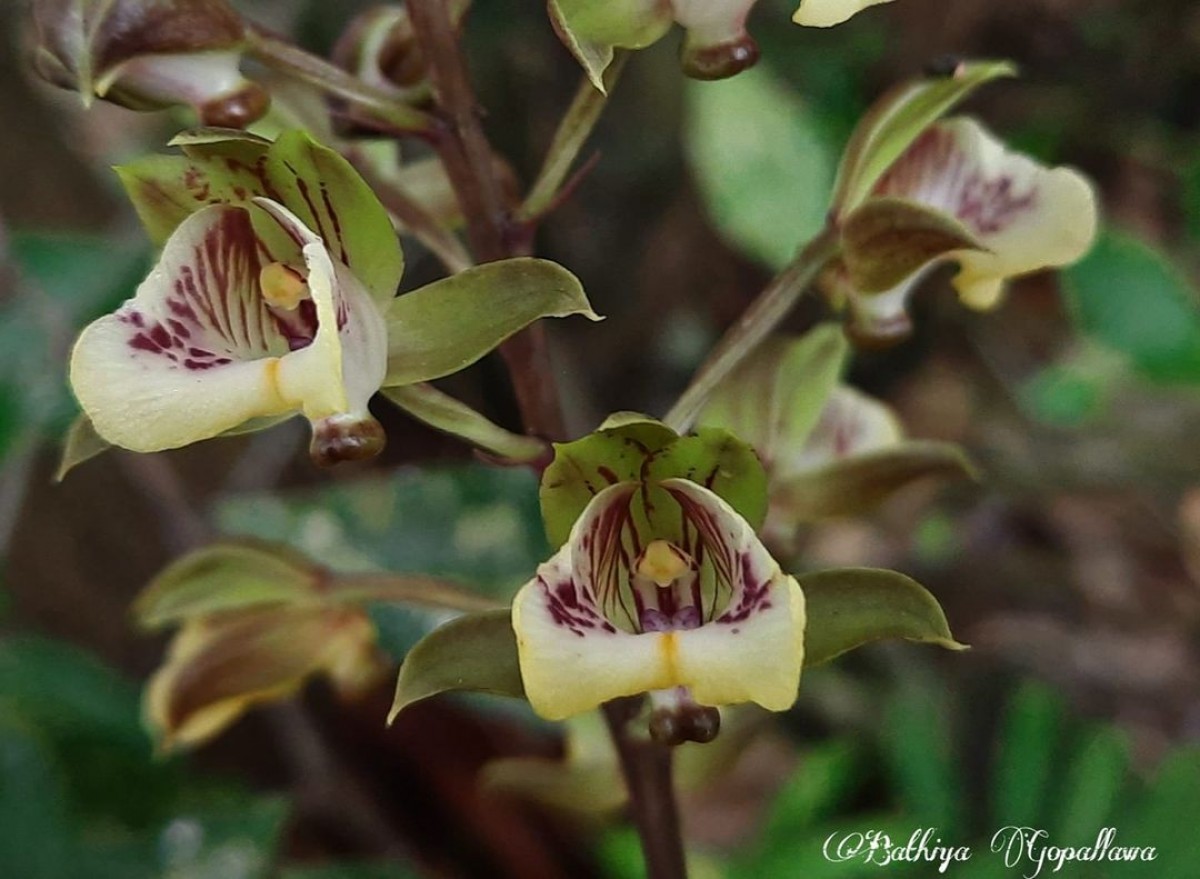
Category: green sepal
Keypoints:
(888, 240)
(228, 576)
(475, 653)
(311, 180)
(633, 448)
(583, 468)
(859, 483)
(849, 607)
(593, 30)
(720, 462)
(443, 412)
(81, 444)
(449, 324)
(896, 120)
(775, 398)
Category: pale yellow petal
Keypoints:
(826, 13)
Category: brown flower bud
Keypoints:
(380, 46)
(149, 54)
(716, 45)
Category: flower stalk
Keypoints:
(755, 324)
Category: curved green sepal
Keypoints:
(858, 484)
(449, 324)
(583, 468)
(720, 462)
(224, 577)
(775, 398)
(888, 240)
(897, 119)
(443, 412)
(476, 653)
(849, 607)
(311, 180)
(593, 30)
(81, 444)
(630, 447)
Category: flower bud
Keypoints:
(149, 54)
(380, 46)
(343, 438)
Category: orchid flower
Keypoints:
(236, 324)
(828, 449)
(252, 313)
(1016, 215)
(661, 586)
(696, 614)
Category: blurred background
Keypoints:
(1072, 568)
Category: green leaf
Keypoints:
(82, 443)
(448, 325)
(774, 400)
(858, 484)
(897, 119)
(1093, 786)
(720, 462)
(35, 828)
(888, 240)
(583, 468)
(225, 577)
(824, 781)
(920, 753)
(443, 412)
(1164, 817)
(760, 162)
(476, 652)
(849, 607)
(1130, 297)
(1029, 752)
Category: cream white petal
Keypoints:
(1027, 216)
(826, 13)
(193, 353)
(709, 22)
(573, 657)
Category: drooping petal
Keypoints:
(193, 353)
(753, 650)
(332, 379)
(1029, 217)
(572, 656)
(826, 13)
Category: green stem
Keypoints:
(573, 131)
(294, 61)
(740, 340)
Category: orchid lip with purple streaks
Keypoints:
(688, 598)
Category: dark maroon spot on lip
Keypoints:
(160, 336)
(142, 342)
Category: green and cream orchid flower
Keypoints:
(699, 613)
(246, 316)
(996, 213)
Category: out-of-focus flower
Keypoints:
(150, 54)
(380, 46)
(914, 192)
(698, 613)
(1018, 216)
(826, 13)
(828, 449)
